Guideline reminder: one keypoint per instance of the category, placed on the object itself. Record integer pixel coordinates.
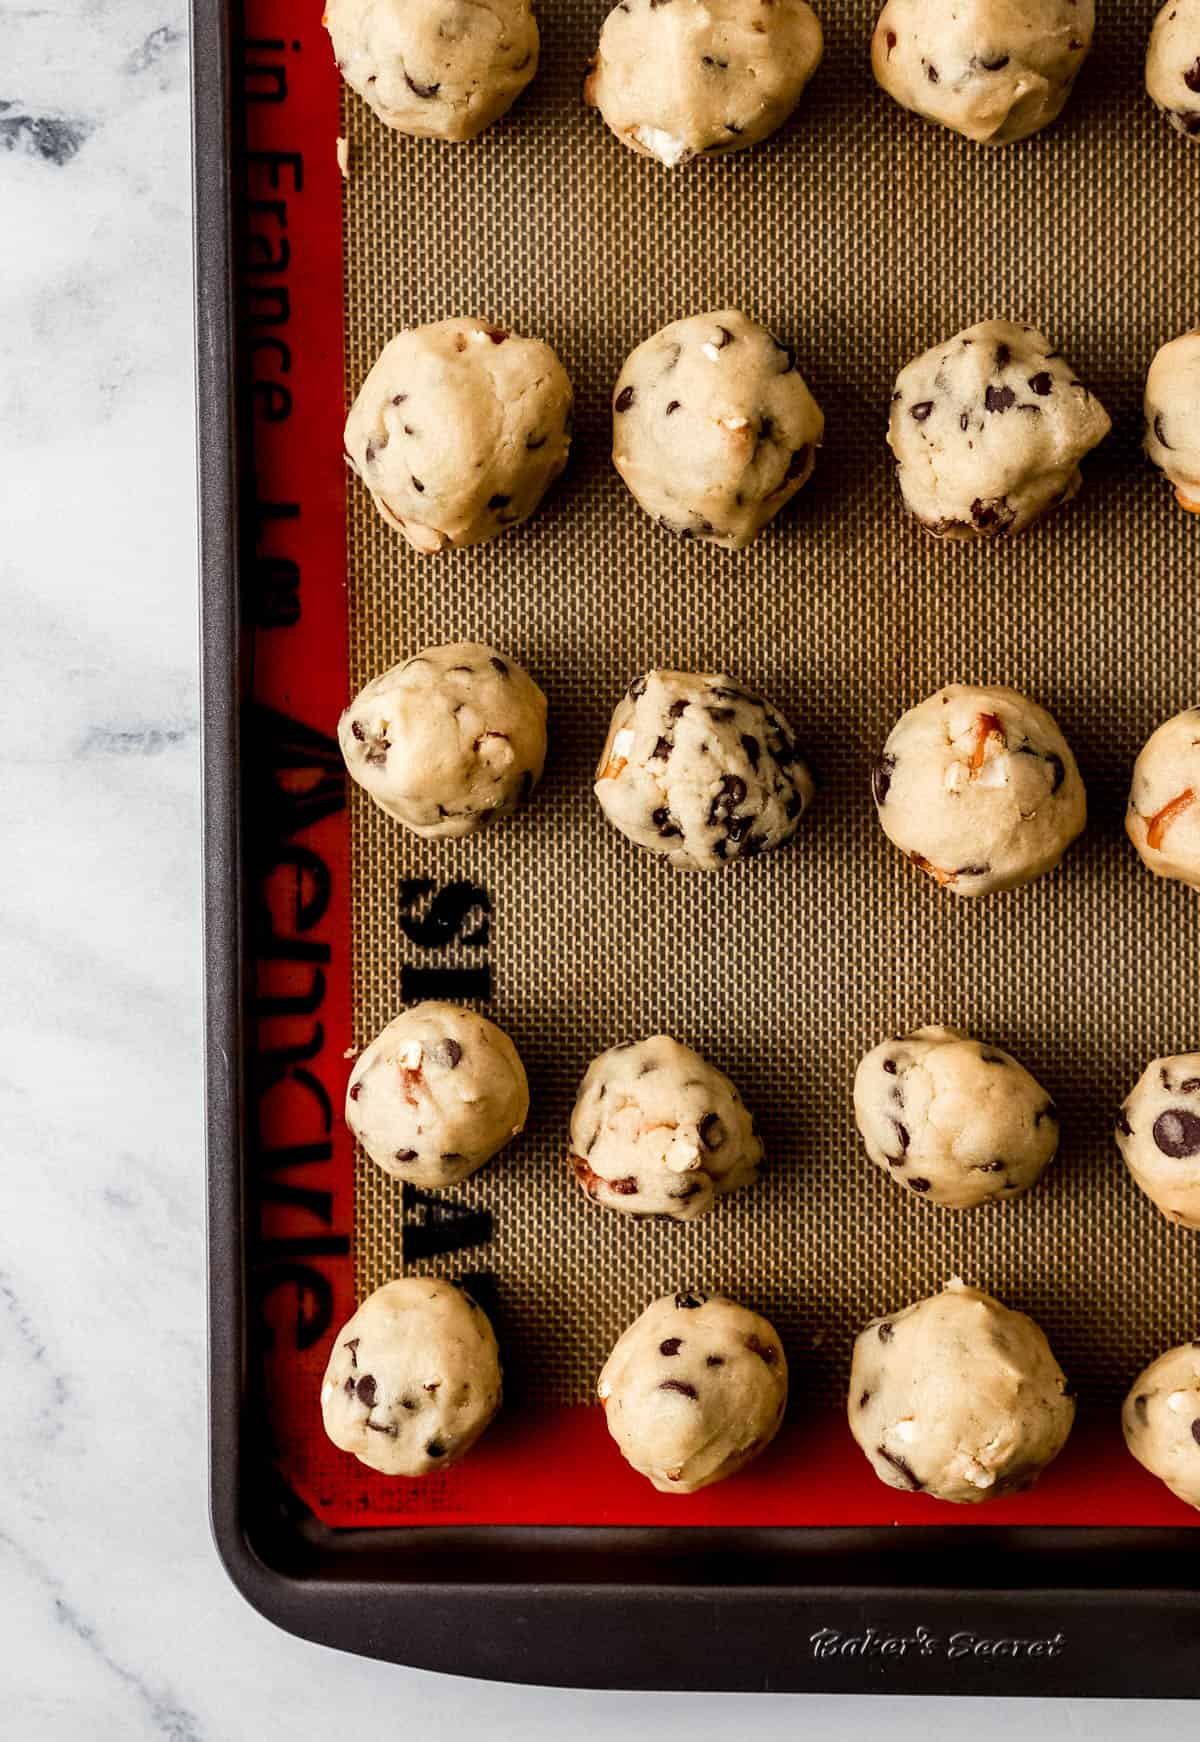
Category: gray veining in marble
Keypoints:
(116, 1622)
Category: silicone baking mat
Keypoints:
(860, 236)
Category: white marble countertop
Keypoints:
(117, 1619)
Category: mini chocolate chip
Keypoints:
(709, 61)
(1141, 1407)
(999, 398)
(448, 1053)
(889, 1066)
(418, 486)
(864, 1400)
(384, 1427)
(625, 1188)
(406, 1155)
(674, 406)
(712, 1131)
(661, 750)
(1159, 431)
(690, 1300)
(665, 823)
(367, 1390)
(671, 1346)
(637, 689)
(356, 1090)
(534, 442)
(370, 454)
(499, 665)
(1189, 1085)
(917, 1185)
(923, 410)
(1049, 1111)
(881, 777)
(352, 1345)
(765, 1351)
(624, 399)
(902, 1134)
(732, 794)
(1164, 1077)
(992, 66)
(1192, 77)
(1042, 383)
(399, 399)
(1003, 356)
(719, 715)
(905, 1469)
(357, 731)
(992, 1058)
(891, 40)
(499, 501)
(1177, 1132)
(725, 339)
(714, 1361)
(435, 1449)
(1196, 1423)
(679, 1385)
(677, 710)
(931, 73)
(348, 1387)
(793, 807)
(885, 1330)
(421, 90)
(797, 463)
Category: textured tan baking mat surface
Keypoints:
(860, 235)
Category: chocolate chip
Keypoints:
(665, 823)
(534, 442)
(499, 665)
(725, 339)
(637, 689)
(406, 1155)
(499, 501)
(674, 406)
(661, 750)
(881, 777)
(625, 1188)
(765, 1351)
(797, 463)
(352, 1345)
(1141, 1405)
(1003, 356)
(1192, 77)
(1177, 1132)
(399, 399)
(714, 1361)
(421, 90)
(964, 421)
(1123, 1125)
(709, 61)
(671, 1346)
(435, 1449)
(679, 1385)
(1189, 1085)
(1042, 383)
(712, 1131)
(356, 1090)
(732, 794)
(902, 1134)
(1196, 1423)
(624, 399)
(719, 715)
(366, 1390)
(418, 486)
(885, 1330)
(917, 1185)
(999, 398)
(793, 807)
(448, 1053)
(905, 1469)
(992, 1058)
(348, 1387)
(923, 410)
(931, 73)
(690, 1300)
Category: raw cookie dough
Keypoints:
(994, 70)
(1158, 1134)
(658, 1131)
(979, 788)
(459, 430)
(439, 69)
(988, 430)
(1163, 817)
(447, 740)
(413, 1378)
(1173, 412)
(436, 1094)
(959, 1397)
(693, 1390)
(1173, 65)
(713, 427)
(701, 770)
(676, 79)
(955, 1120)
(1161, 1419)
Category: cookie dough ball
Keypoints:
(1173, 65)
(1173, 410)
(693, 1390)
(437, 1094)
(1158, 1134)
(447, 740)
(658, 1131)
(676, 80)
(979, 788)
(700, 770)
(438, 69)
(414, 1378)
(459, 430)
(958, 1397)
(956, 1121)
(988, 431)
(714, 428)
(1161, 1420)
(1163, 817)
(993, 70)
